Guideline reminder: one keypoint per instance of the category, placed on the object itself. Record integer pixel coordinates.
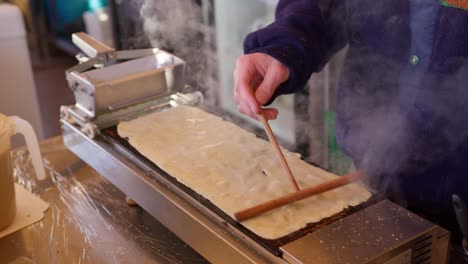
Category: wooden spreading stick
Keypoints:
(296, 196)
(277, 148)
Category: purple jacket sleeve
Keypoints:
(303, 37)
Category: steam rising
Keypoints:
(180, 27)
(416, 121)
(405, 115)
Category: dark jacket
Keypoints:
(402, 104)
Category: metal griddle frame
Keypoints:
(110, 137)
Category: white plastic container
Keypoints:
(17, 90)
(8, 127)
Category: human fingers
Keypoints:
(242, 105)
(244, 78)
(243, 108)
(276, 74)
(270, 113)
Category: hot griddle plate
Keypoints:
(110, 134)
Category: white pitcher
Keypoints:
(9, 126)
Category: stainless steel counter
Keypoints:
(88, 220)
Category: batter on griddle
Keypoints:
(234, 169)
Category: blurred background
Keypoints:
(208, 34)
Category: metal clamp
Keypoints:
(90, 46)
(96, 54)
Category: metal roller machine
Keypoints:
(110, 86)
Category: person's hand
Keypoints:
(257, 76)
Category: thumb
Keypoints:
(275, 75)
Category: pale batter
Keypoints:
(234, 169)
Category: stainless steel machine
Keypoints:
(110, 86)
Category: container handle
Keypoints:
(24, 128)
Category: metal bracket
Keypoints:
(96, 54)
(90, 46)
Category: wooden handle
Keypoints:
(300, 195)
(278, 151)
